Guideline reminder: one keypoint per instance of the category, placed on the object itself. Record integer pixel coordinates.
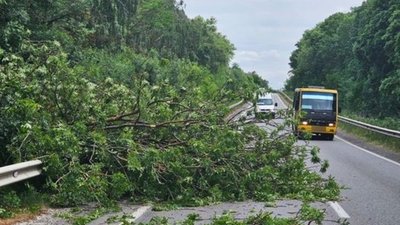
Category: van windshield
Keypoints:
(264, 101)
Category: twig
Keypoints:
(22, 143)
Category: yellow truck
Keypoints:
(316, 109)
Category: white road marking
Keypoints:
(138, 213)
(339, 210)
(369, 152)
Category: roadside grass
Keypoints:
(23, 214)
(390, 143)
(387, 122)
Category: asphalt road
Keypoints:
(372, 194)
(372, 182)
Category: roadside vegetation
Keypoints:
(375, 138)
(126, 99)
(388, 142)
(358, 54)
(386, 122)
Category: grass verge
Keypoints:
(388, 122)
(390, 143)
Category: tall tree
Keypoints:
(357, 53)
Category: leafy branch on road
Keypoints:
(170, 153)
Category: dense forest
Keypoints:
(127, 99)
(359, 54)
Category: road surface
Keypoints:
(372, 182)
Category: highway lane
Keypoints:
(277, 99)
(372, 183)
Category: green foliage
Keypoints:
(14, 200)
(387, 122)
(10, 200)
(127, 99)
(357, 53)
(101, 145)
(310, 214)
(72, 217)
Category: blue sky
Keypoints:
(265, 32)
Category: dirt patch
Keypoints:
(23, 217)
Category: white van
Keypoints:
(265, 105)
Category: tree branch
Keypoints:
(147, 125)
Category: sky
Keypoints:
(264, 32)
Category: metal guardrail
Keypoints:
(20, 171)
(234, 115)
(236, 104)
(381, 130)
(286, 97)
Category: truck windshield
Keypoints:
(264, 101)
(318, 101)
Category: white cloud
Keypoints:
(254, 56)
(265, 32)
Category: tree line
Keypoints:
(358, 53)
